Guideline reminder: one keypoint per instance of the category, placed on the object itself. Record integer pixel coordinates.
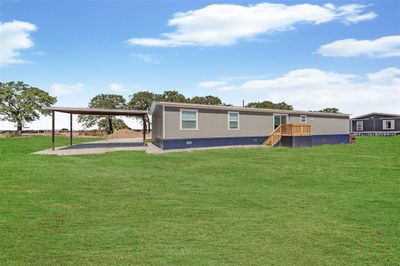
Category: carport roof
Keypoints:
(95, 111)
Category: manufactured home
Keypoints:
(183, 125)
(376, 124)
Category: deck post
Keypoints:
(144, 130)
(70, 129)
(53, 140)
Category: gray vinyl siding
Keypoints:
(157, 125)
(397, 125)
(214, 124)
(324, 125)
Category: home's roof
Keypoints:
(95, 111)
(243, 109)
(376, 114)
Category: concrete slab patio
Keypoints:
(95, 147)
(131, 144)
(151, 148)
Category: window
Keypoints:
(388, 124)
(188, 119)
(233, 120)
(303, 119)
(360, 125)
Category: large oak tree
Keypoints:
(107, 123)
(142, 101)
(21, 103)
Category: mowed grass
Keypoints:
(327, 205)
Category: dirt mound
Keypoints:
(124, 134)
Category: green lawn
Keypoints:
(308, 206)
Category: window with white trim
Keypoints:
(359, 125)
(233, 120)
(388, 124)
(188, 119)
(303, 119)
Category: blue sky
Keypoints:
(293, 51)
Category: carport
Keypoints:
(90, 111)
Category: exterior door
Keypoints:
(279, 119)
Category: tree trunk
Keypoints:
(19, 128)
(110, 126)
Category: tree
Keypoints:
(330, 110)
(103, 101)
(210, 100)
(173, 96)
(270, 105)
(21, 103)
(142, 101)
(103, 124)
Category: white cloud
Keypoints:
(212, 84)
(299, 79)
(14, 36)
(388, 46)
(314, 89)
(62, 89)
(353, 13)
(385, 77)
(148, 58)
(226, 24)
(117, 87)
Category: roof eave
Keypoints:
(375, 113)
(239, 108)
(95, 111)
(152, 107)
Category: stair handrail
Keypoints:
(276, 130)
(276, 135)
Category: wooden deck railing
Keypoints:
(287, 130)
(296, 129)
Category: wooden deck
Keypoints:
(287, 130)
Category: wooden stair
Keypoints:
(274, 137)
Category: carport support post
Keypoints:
(53, 139)
(70, 129)
(144, 130)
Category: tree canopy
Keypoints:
(117, 123)
(270, 105)
(173, 96)
(21, 103)
(142, 101)
(106, 123)
(210, 100)
(330, 110)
